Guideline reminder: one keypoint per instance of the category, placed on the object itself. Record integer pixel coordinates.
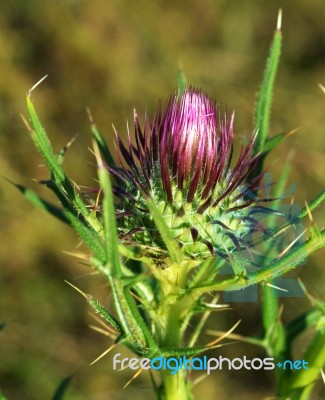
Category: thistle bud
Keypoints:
(182, 160)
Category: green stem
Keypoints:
(174, 387)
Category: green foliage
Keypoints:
(154, 306)
(264, 98)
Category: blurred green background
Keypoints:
(112, 56)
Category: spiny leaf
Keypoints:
(132, 323)
(165, 232)
(90, 237)
(312, 205)
(110, 230)
(60, 181)
(274, 141)
(98, 308)
(41, 203)
(101, 142)
(134, 327)
(95, 304)
(43, 144)
(264, 98)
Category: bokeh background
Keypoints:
(112, 56)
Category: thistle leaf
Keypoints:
(132, 323)
(63, 186)
(108, 158)
(95, 304)
(301, 323)
(312, 205)
(91, 238)
(274, 141)
(43, 144)
(264, 98)
(41, 203)
(305, 379)
(165, 232)
(110, 230)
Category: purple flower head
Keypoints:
(182, 159)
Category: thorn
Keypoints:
(222, 306)
(323, 374)
(291, 155)
(279, 21)
(293, 131)
(245, 339)
(92, 152)
(136, 297)
(77, 289)
(69, 144)
(81, 256)
(91, 120)
(215, 341)
(199, 379)
(281, 308)
(103, 331)
(276, 287)
(229, 335)
(98, 198)
(103, 354)
(322, 88)
(100, 163)
(203, 319)
(311, 219)
(103, 324)
(36, 84)
(26, 123)
(290, 245)
(132, 379)
(307, 294)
